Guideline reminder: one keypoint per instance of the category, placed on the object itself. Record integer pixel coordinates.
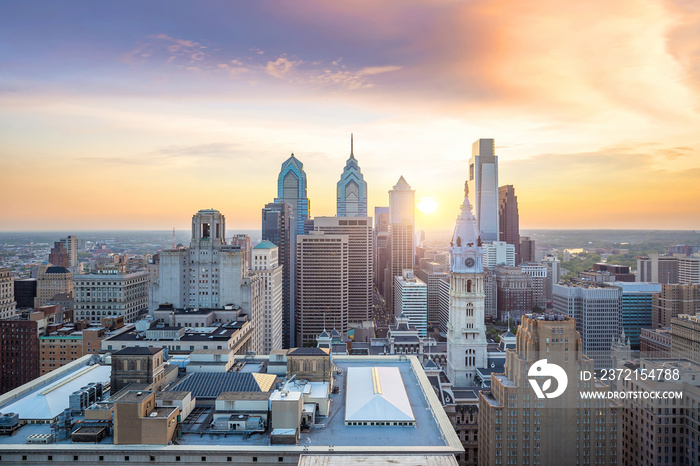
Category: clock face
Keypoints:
(469, 262)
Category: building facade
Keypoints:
(322, 294)
(527, 249)
(674, 300)
(509, 218)
(685, 337)
(25, 292)
(381, 246)
(402, 237)
(266, 265)
(52, 281)
(483, 186)
(411, 300)
(636, 308)
(432, 273)
(291, 188)
(689, 270)
(8, 305)
(116, 293)
(352, 189)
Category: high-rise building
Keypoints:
(514, 292)
(211, 274)
(538, 274)
(527, 249)
(70, 242)
(499, 253)
(643, 269)
(518, 427)
(685, 337)
(266, 265)
(25, 292)
(65, 345)
(490, 294)
(689, 270)
(111, 293)
(553, 274)
(352, 189)
(52, 281)
(359, 233)
(19, 351)
(243, 241)
(411, 300)
(381, 246)
(466, 331)
(672, 301)
(58, 256)
(432, 273)
(509, 218)
(483, 186)
(291, 188)
(636, 308)
(8, 305)
(280, 228)
(444, 302)
(402, 238)
(657, 268)
(597, 311)
(322, 294)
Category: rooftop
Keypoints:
(265, 245)
(211, 384)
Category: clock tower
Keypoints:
(466, 332)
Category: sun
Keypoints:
(427, 205)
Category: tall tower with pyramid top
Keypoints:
(466, 332)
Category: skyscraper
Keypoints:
(322, 276)
(8, 305)
(352, 189)
(359, 233)
(466, 332)
(291, 188)
(70, 242)
(265, 263)
(411, 300)
(527, 249)
(483, 186)
(508, 218)
(402, 238)
(381, 243)
(58, 256)
(111, 293)
(280, 228)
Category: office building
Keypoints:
(402, 238)
(266, 265)
(431, 273)
(514, 292)
(52, 281)
(517, 427)
(509, 218)
(211, 274)
(618, 273)
(672, 301)
(381, 246)
(70, 243)
(291, 188)
(58, 256)
(553, 274)
(643, 269)
(66, 344)
(359, 233)
(689, 270)
(655, 343)
(657, 268)
(597, 311)
(111, 292)
(538, 274)
(352, 189)
(25, 292)
(466, 330)
(411, 301)
(498, 253)
(444, 302)
(685, 337)
(322, 282)
(243, 242)
(527, 249)
(280, 228)
(636, 308)
(490, 294)
(8, 305)
(483, 186)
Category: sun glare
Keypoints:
(427, 205)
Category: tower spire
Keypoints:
(352, 154)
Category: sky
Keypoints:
(135, 115)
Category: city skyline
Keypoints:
(140, 115)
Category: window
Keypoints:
(280, 459)
(75, 457)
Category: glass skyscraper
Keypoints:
(291, 188)
(352, 189)
(483, 188)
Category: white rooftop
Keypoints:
(48, 401)
(376, 394)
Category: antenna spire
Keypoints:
(352, 154)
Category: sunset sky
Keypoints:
(134, 115)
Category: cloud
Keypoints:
(163, 47)
(281, 67)
(372, 70)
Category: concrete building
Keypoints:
(553, 274)
(689, 270)
(137, 420)
(597, 311)
(322, 280)
(490, 295)
(672, 301)
(8, 305)
(516, 426)
(498, 253)
(70, 243)
(685, 337)
(111, 293)
(25, 292)
(381, 246)
(636, 308)
(211, 274)
(58, 256)
(444, 302)
(527, 249)
(431, 273)
(52, 281)
(655, 343)
(483, 186)
(359, 232)
(19, 350)
(466, 331)
(515, 292)
(509, 219)
(291, 188)
(67, 344)
(402, 238)
(138, 365)
(279, 227)
(266, 265)
(411, 300)
(538, 273)
(242, 241)
(657, 268)
(352, 189)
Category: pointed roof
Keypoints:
(509, 334)
(265, 244)
(376, 394)
(402, 184)
(323, 334)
